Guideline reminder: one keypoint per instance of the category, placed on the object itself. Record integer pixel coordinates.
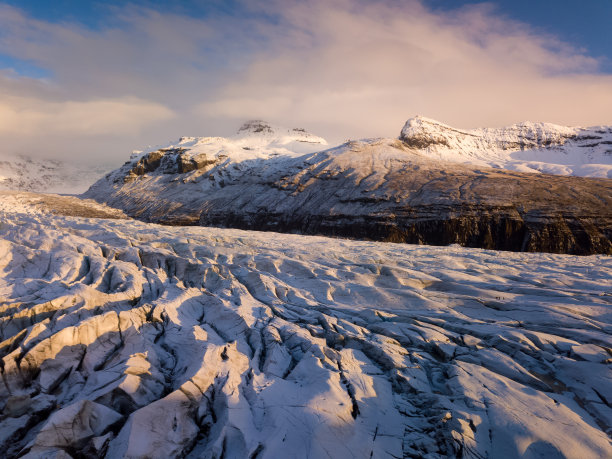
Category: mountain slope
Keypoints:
(51, 176)
(524, 147)
(380, 189)
(125, 339)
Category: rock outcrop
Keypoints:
(169, 161)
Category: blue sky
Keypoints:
(95, 13)
(99, 78)
(583, 24)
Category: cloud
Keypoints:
(342, 69)
(372, 66)
(26, 116)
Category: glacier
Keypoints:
(120, 338)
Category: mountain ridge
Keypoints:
(380, 189)
(524, 147)
(24, 173)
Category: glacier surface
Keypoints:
(125, 339)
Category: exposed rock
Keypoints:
(198, 162)
(169, 161)
(256, 127)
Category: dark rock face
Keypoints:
(496, 231)
(148, 163)
(200, 161)
(381, 191)
(257, 127)
(168, 161)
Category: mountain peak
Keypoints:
(422, 132)
(263, 129)
(259, 133)
(256, 127)
(422, 125)
(527, 146)
(420, 119)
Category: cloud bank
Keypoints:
(342, 69)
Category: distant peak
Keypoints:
(256, 127)
(259, 130)
(423, 119)
(420, 122)
(424, 133)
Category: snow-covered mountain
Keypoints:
(125, 339)
(47, 175)
(385, 189)
(524, 147)
(255, 142)
(255, 139)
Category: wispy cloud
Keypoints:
(343, 69)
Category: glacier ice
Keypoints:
(125, 339)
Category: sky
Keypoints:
(91, 81)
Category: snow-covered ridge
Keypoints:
(375, 189)
(258, 129)
(51, 176)
(524, 147)
(254, 140)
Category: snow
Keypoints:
(51, 176)
(283, 172)
(254, 140)
(121, 338)
(524, 147)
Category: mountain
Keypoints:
(380, 189)
(47, 175)
(125, 339)
(524, 147)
